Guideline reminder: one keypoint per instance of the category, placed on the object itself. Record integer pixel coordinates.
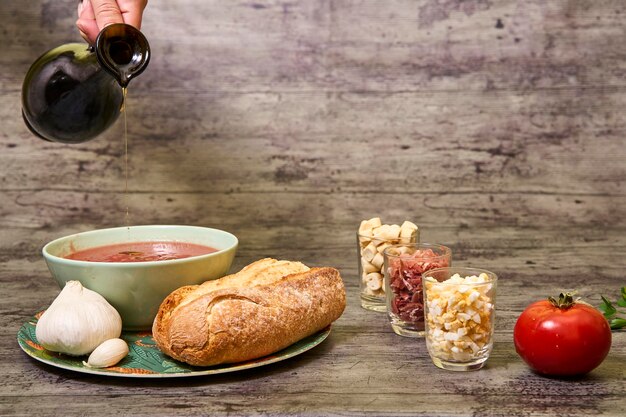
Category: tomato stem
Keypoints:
(565, 301)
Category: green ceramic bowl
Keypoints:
(137, 289)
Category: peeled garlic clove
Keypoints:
(77, 321)
(107, 354)
(369, 252)
(408, 231)
(380, 231)
(365, 229)
(377, 260)
(404, 249)
(374, 281)
(387, 232)
(381, 248)
(394, 231)
(366, 226)
(368, 267)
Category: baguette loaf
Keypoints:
(260, 310)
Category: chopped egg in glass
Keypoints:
(459, 315)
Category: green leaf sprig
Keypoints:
(611, 312)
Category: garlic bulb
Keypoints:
(77, 321)
(107, 354)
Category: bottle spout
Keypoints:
(122, 51)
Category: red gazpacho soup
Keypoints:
(141, 252)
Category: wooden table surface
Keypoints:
(497, 126)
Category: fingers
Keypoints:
(95, 15)
(133, 18)
(107, 12)
(86, 22)
(88, 30)
(132, 11)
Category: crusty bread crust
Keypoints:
(262, 309)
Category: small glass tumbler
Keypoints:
(404, 265)
(459, 312)
(370, 253)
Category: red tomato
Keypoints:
(570, 339)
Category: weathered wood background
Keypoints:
(497, 126)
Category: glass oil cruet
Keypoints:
(73, 93)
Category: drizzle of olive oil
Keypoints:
(124, 110)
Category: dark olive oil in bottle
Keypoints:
(67, 97)
(73, 93)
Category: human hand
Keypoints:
(95, 15)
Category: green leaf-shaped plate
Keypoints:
(145, 360)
